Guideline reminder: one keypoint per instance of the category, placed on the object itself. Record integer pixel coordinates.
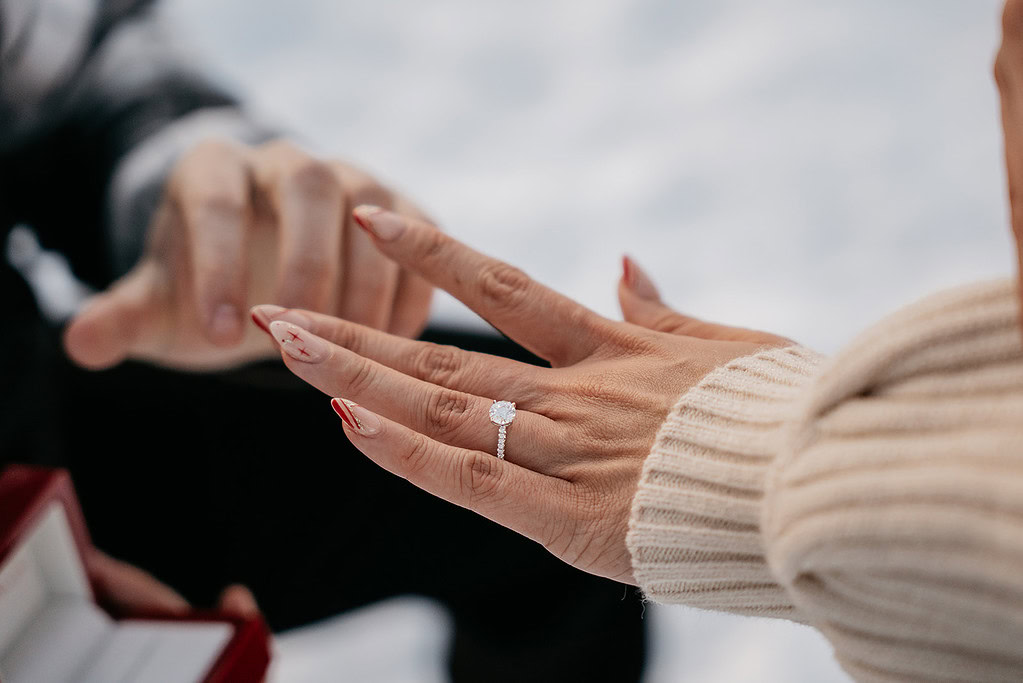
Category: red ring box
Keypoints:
(52, 629)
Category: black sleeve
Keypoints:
(84, 83)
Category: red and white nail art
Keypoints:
(355, 416)
(298, 343)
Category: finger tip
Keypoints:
(627, 267)
(90, 343)
(363, 211)
(239, 601)
(262, 315)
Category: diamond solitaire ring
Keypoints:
(502, 413)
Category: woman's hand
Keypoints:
(583, 427)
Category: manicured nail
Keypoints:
(638, 281)
(262, 315)
(299, 343)
(356, 417)
(225, 322)
(384, 225)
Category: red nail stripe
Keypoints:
(346, 414)
(259, 321)
(361, 221)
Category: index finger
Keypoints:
(547, 323)
(210, 192)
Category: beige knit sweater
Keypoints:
(877, 496)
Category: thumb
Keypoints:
(641, 305)
(238, 601)
(116, 322)
(641, 302)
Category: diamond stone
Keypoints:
(502, 412)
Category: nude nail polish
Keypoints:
(299, 343)
(356, 417)
(638, 281)
(384, 225)
(263, 314)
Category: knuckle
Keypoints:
(313, 266)
(480, 478)
(435, 363)
(278, 146)
(348, 336)
(669, 321)
(362, 376)
(217, 207)
(594, 390)
(433, 247)
(502, 284)
(315, 179)
(213, 148)
(446, 411)
(414, 459)
(361, 188)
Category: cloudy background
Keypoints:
(794, 165)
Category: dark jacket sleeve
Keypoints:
(83, 85)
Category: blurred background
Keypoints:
(793, 165)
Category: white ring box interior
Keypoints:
(52, 630)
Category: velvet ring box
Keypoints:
(51, 628)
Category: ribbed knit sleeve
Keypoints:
(695, 528)
(884, 489)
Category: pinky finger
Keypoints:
(522, 500)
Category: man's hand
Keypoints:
(125, 590)
(240, 225)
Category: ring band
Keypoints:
(502, 413)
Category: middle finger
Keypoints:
(453, 417)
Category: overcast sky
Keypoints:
(792, 164)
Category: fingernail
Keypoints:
(262, 315)
(638, 281)
(225, 322)
(298, 343)
(292, 316)
(356, 417)
(385, 225)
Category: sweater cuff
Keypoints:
(694, 533)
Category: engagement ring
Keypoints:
(502, 413)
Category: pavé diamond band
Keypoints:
(502, 413)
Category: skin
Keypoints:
(583, 426)
(1009, 78)
(125, 590)
(240, 225)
